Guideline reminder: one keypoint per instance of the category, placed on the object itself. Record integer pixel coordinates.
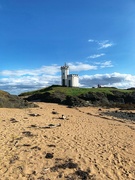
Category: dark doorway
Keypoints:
(69, 83)
(63, 82)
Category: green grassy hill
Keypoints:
(73, 91)
(103, 96)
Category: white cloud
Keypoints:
(102, 44)
(32, 72)
(106, 64)
(95, 56)
(81, 66)
(18, 81)
(90, 40)
(16, 85)
(112, 80)
(105, 44)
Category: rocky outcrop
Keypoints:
(12, 101)
(113, 99)
(55, 97)
(59, 98)
(75, 101)
(95, 98)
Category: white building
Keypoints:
(69, 80)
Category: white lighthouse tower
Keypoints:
(64, 74)
(69, 80)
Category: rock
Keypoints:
(34, 114)
(52, 126)
(49, 156)
(13, 120)
(54, 112)
(63, 117)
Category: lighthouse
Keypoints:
(69, 80)
(64, 74)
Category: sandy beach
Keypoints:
(41, 144)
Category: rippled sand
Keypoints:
(38, 143)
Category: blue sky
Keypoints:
(96, 38)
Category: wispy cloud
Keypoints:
(102, 44)
(95, 56)
(106, 64)
(91, 40)
(79, 66)
(32, 72)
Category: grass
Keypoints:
(73, 91)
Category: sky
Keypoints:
(96, 38)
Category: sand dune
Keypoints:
(38, 143)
